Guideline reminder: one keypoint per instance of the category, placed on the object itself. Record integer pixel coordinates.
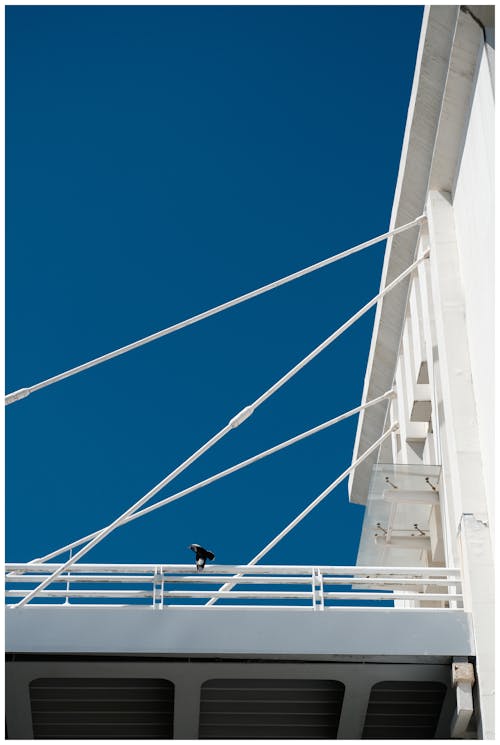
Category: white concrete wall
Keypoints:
(463, 458)
(473, 208)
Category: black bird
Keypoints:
(202, 554)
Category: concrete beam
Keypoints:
(215, 631)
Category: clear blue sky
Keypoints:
(159, 161)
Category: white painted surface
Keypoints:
(473, 208)
(216, 631)
(438, 27)
(462, 457)
(397, 517)
(456, 290)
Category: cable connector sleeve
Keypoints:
(240, 418)
(17, 395)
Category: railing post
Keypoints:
(321, 591)
(158, 587)
(66, 602)
(154, 588)
(162, 587)
(318, 598)
(313, 588)
(422, 584)
(453, 589)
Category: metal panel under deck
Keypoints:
(132, 697)
(269, 708)
(404, 710)
(102, 708)
(83, 672)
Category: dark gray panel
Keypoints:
(270, 709)
(102, 708)
(404, 710)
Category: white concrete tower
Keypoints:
(433, 339)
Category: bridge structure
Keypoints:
(291, 651)
(396, 647)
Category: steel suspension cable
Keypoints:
(221, 474)
(229, 585)
(24, 392)
(234, 422)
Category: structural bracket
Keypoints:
(462, 676)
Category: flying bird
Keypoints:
(202, 554)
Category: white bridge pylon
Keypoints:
(238, 418)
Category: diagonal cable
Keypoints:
(234, 422)
(221, 474)
(24, 392)
(229, 585)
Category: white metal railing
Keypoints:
(159, 585)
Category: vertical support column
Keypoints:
(429, 340)
(402, 409)
(354, 707)
(478, 589)
(395, 438)
(462, 681)
(434, 443)
(417, 330)
(411, 432)
(408, 359)
(187, 708)
(461, 445)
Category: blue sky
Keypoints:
(159, 161)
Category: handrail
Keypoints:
(236, 421)
(357, 584)
(221, 474)
(295, 569)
